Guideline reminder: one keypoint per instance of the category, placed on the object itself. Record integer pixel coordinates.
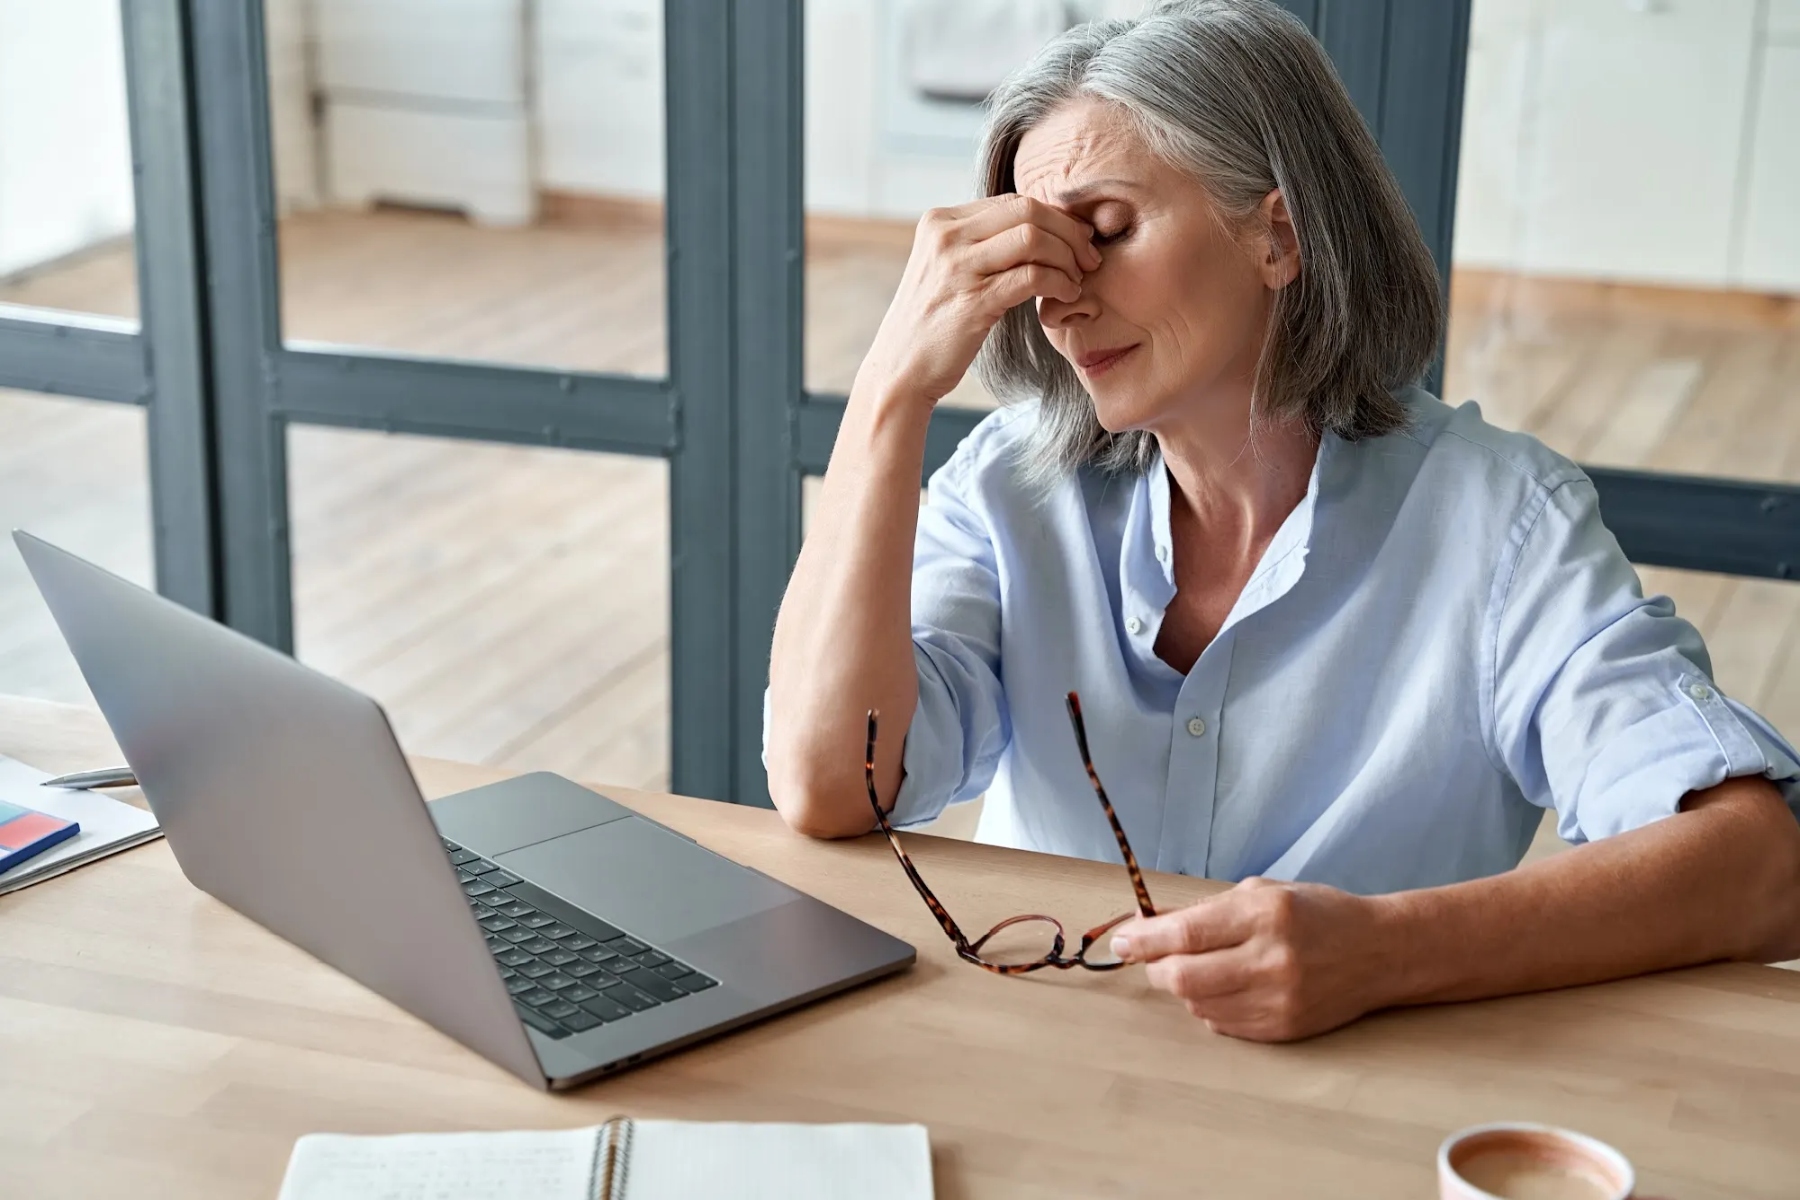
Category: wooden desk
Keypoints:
(154, 1043)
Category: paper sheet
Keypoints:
(677, 1160)
(522, 1165)
(107, 825)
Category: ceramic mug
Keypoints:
(1520, 1161)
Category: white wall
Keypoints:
(599, 97)
(288, 26)
(1652, 141)
(1768, 253)
(65, 150)
(840, 105)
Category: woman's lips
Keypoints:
(1099, 362)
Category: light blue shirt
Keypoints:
(1441, 641)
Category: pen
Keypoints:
(109, 778)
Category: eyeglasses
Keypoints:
(1034, 941)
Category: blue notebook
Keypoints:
(25, 832)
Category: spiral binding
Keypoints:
(614, 1153)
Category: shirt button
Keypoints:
(1133, 626)
(1196, 726)
(1162, 554)
(1701, 692)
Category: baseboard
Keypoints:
(557, 207)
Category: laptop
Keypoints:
(539, 923)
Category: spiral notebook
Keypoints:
(107, 826)
(623, 1159)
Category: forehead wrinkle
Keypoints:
(1057, 159)
(1080, 147)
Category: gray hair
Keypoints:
(1238, 94)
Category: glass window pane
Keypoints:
(476, 179)
(66, 203)
(506, 605)
(1626, 278)
(74, 472)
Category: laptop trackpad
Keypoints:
(640, 876)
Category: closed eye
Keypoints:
(1107, 239)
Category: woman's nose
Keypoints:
(1057, 314)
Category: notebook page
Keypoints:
(106, 824)
(680, 1160)
(520, 1165)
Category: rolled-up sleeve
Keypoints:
(959, 727)
(1603, 705)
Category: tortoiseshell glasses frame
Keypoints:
(970, 951)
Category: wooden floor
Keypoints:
(510, 605)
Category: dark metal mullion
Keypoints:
(1355, 34)
(1424, 58)
(72, 354)
(1702, 524)
(171, 282)
(818, 416)
(1427, 52)
(1306, 10)
(244, 311)
(703, 661)
(768, 258)
(352, 387)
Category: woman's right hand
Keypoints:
(969, 265)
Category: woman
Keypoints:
(1334, 639)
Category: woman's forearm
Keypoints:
(1719, 880)
(1276, 961)
(843, 639)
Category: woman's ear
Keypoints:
(1280, 260)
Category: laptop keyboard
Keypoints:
(568, 972)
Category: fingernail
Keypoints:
(1121, 946)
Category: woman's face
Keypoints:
(1177, 311)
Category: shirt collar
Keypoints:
(1282, 564)
(1161, 537)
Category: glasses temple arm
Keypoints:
(944, 920)
(1138, 886)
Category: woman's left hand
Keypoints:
(1267, 961)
